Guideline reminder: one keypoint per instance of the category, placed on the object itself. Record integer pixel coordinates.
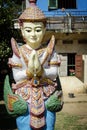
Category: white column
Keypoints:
(27, 3)
(85, 68)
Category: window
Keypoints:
(75, 65)
(52, 4)
(59, 4)
(67, 41)
(71, 64)
(83, 41)
(67, 4)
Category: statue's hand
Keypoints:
(37, 64)
(34, 65)
(31, 62)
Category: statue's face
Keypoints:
(33, 33)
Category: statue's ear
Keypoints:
(44, 30)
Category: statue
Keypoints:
(34, 98)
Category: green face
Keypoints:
(33, 33)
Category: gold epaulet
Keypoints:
(15, 47)
(54, 63)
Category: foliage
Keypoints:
(4, 49)
(9, 10)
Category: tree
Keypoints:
(9, 10)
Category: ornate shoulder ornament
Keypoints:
(15, 47)
(49, 49)
(51, 45)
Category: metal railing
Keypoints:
(64, 21)
(67, 20)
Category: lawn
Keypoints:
(66, 121)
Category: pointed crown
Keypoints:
(32, 13)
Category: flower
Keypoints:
(71, 70)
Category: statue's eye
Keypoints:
(38, 30)
(28, 30)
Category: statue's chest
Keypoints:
(25, 52)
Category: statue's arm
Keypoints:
(18, 68)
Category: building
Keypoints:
(67, 20)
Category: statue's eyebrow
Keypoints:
(38, 27)
(35, 27)
(27, 28)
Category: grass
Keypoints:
(65, 121)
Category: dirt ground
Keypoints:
(76, 105)
(75, 108)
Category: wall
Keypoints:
(85, 68)
(81, 5)
(75, 47)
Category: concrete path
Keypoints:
(72, 84)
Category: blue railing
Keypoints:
(58, 13)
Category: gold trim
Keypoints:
(29, 74)
(11, 99)
(20, 84)
(40, 72)
(54, 63)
